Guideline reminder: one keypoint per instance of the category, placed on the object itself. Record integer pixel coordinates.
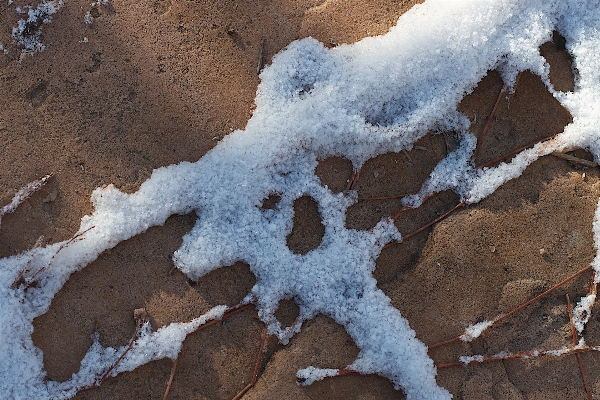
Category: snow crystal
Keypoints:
(166, 342)
(308, 376)
(357, 101)
(559, 352)
(466, 360)
(474, 331)
(22, 195)
(502, 354)
(27, 32)
(583, 311)
(88, 18)
(596, 229)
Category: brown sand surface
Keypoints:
(159, 82)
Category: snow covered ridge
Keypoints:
(379, 95)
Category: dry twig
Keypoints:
(575, 160)
(173, 368)
(256, 366)
(24, 194)
(29, 281)
(489, 121)
(574, 335)
(353, 179)
(519, 308)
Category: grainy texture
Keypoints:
(159, 82)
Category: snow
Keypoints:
(466, 360)
(22, 195)
(27, 33)
(379, 95)
(308, 376)
(88, 19)
(474, 331)
(583, 311)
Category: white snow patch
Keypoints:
(583, 311)
(27, 33)
(559, 352)
(474, 331)
(88, 19)
(466, 360)
(308, 376)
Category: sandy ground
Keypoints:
(159, 82)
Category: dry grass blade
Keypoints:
(435, 221)
(229, 313)
(353, 180)
(579, 362)
(399, 196)
(173, 368)
(519, 308)
(75, 237)
(516, 151)
(141, 318)
(261, 349)
(576, 160)
(24, 194)
(524, 355)
(489, 121)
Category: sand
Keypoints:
(159, 82)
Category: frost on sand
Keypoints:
(379, 95)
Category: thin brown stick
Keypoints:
(399, 196)
(593, 284)
(173, 368)
(260, 57)
(489, 121)
(231, 312)
(444, 343)
(517, 151)
(261, 350)
(519, 308)
(256, 367)
(353, 179)
(129, 347)
(408, 208)
(523, 355)
(31, 279)
(347, 372)
(575, 160)
(536, 298)
(390, 244)
(435, 221)
(24, 194)
(579, 362)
